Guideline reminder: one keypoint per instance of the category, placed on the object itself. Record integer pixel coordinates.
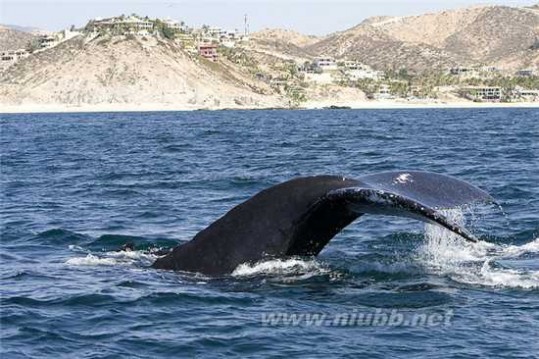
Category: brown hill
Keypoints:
(280, 36)
(11, 39)
(487, 34)
(129, 70)
(280, 41)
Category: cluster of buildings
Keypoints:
(203, 41)
(208, 39)
(326, 70)
(122, 25)
(483, 93)
(219, 36)
(42, 42)
(485, 71)
(493, 93)
(469, 72)
(497, 94)
(322, 70)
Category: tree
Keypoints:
(292, 70)
(295, 94)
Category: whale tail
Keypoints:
(300, 216)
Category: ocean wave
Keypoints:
(60, 236)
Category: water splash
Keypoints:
(300, 268)
(445, 253)
(123, 258)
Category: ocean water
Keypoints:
(76, 187)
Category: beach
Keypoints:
(309, 105)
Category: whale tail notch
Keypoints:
(300, 216)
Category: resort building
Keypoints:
(131, 25)
(461, 70)
(352, 65)
(68, 34)
(383, 93)
(490, 94)
(47, 41)
(489, 69)
(525, 94)
(526, 73)
(458, 70)
(325, 63)
(9, 57)
(175, 25)
(475, 71)
(208, 51)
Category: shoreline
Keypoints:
(310, 105)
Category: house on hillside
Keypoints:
(175, 25)
(383, 93)
(325, 63)
(208, 51)
(130, 25)
(461, 70)
(355, 71)
(9, 57)
(67, 34)
(47, 41)
(475, 71)
(479, 93)
(526, 94)
(526, 73)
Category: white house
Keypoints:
(325, 63)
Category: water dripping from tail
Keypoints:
(480, 264)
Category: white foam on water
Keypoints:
(292, 266)
(76, 248)
(124, 258)
(90, 260)
(515, 251)
(445, 253)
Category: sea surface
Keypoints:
(76, 187)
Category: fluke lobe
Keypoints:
(299, 217)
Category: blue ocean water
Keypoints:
(76, 187)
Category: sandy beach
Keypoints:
(310, 105)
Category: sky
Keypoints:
(309, 17)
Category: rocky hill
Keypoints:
(278, 42)
(12, 39)
(280, 36)
(130, 70)
(488, 34)
(151, 69)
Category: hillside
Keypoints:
(495, 35)
(282, 42)
(129, 70)
(118, 66)
(284, 36)
(12, 39)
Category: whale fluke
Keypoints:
(300, 216)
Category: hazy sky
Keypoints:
(311, 17)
